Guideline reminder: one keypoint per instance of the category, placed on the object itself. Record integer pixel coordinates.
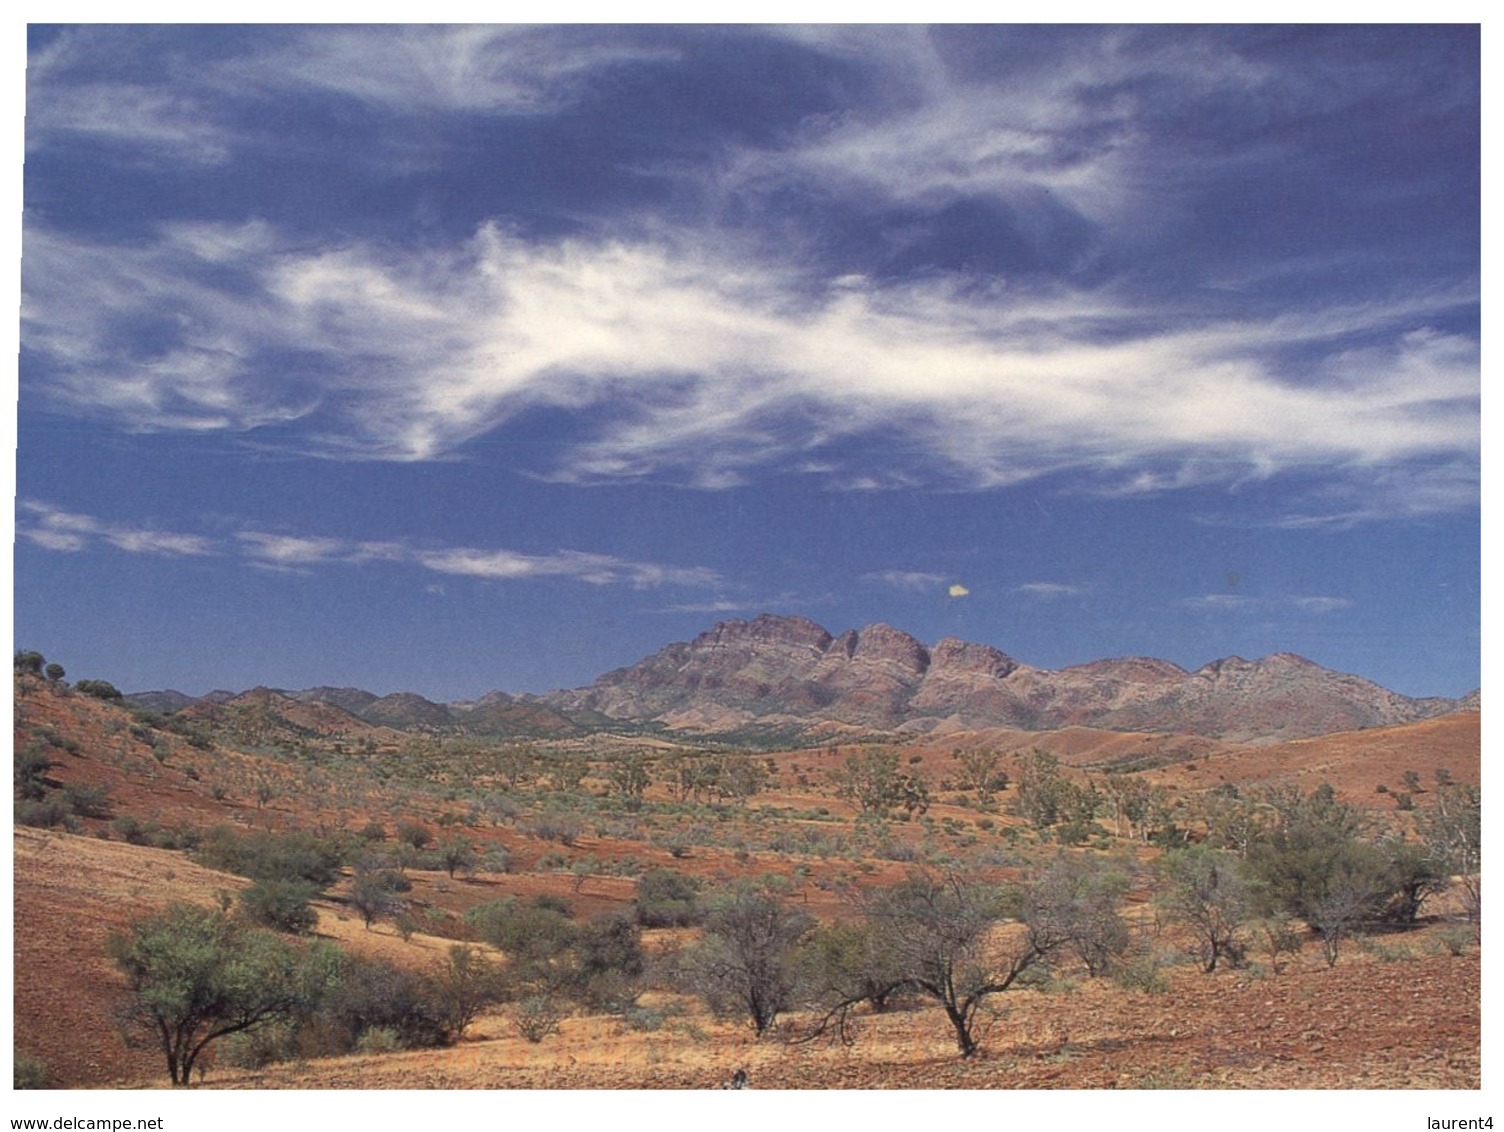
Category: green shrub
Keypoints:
(88, 801)
(668, 899)
(644, 1019)
(258, 1048)
(29, 1072)
(31, 766)
(566, 829)
(99, 689)
(44, 814)
(538, 1016)
(282, 905)
(414, 833)
(129, 829)
(379, 1039)
(1141, 971)
(1455, 939)
(273, 856)
(372, 995)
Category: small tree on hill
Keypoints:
(942, 937)
(630, 777)
(196, 975)
(1452, 830)
(100, 690)
(747, 955)
(981, 771)
(29, 662)
(876, 783)
(1203, 890)
(1313, 864)
(456, 855)
(466, 984)
(373, 893)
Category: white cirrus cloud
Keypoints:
(1244, 603)
(134, 88)
(414, 70)
(693, 365)
(913, 581)
(54, 528)
(1049, 591)
(57, 529)
(597, 569)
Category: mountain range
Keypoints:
(791, 673)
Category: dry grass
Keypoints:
(1400, 1015)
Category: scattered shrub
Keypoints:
(1455, 939)
(31, 766)
(29, 1072)
(1142, 971)
(282, 905)
(45, 814)
(667, 899)
(538, 1016)
(88, 801)
(414, 833)
(379, 1039)
(272, 856)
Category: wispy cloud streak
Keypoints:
(53, 528)
(1243, 603)
(56, 529)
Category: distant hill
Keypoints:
(356, 714)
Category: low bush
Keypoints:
(538, 1016)
(29, 1072)
(273, 856)
(668, 899)
(1455, 939)
(47, 813)
(88, 801)
(282, 905)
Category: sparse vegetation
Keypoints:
(196, 975)
(803, 914)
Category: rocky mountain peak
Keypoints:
(881, 642)
(964, 657)
(767, 628)
(788, 668)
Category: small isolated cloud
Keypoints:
(1221, 603)
(1321, 604)
(597, 569)
(958, 590)
(1239, 603)
(913, 581)
(721, 606)
(1048, 591)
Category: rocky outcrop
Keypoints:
(880, 676)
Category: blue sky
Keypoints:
(450, 359)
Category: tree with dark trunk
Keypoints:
(942, 935)
(747, 955)
(1202, 889)
(197, 974)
